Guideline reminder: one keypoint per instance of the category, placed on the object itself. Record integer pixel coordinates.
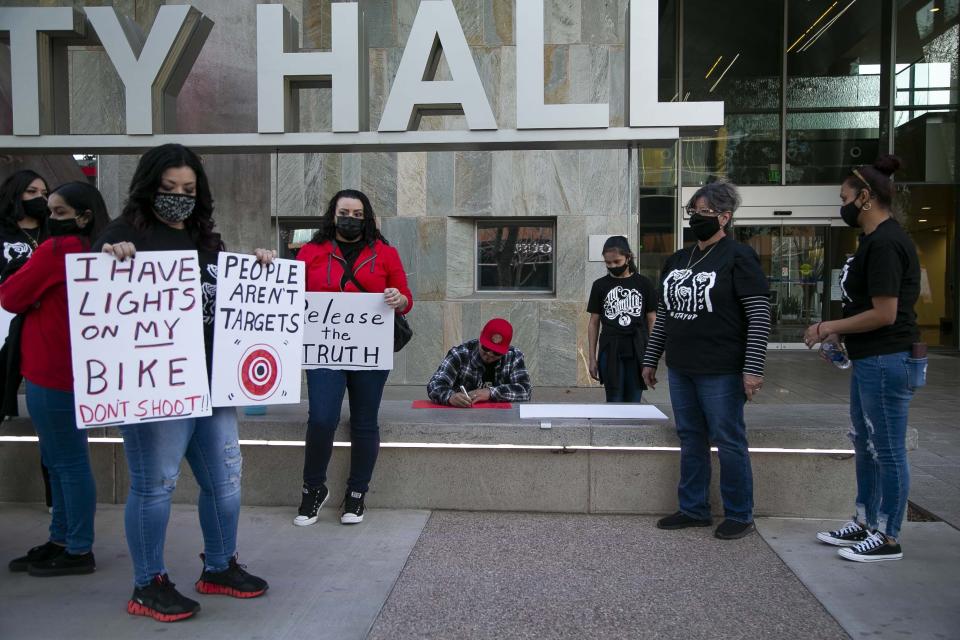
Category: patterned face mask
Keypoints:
(173, 207)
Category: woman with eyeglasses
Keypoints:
(347, 254)
(713, 320)
(880, 285)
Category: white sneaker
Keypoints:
(848, 535)
(311, 500)
(873, 549)
(352, 508)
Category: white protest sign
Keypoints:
(136, 337)
(258, 332)
(352, 331)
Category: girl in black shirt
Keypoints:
(880, 285)
(623, 303)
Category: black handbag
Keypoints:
(402, 332)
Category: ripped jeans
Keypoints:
(154, 451)
(879, 399)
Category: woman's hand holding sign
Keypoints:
(264, 256)
(394, 298)
(120, 250)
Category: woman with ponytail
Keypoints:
(624, 303)
(880, 284)
(38, 290)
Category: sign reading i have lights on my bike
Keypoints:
(153, 69)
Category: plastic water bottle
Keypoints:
(836, 354)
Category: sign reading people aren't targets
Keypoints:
(136, 336)
(258, 331)
(351, 331)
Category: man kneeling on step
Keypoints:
(487, 369)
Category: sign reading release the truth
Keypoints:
(352, 331)
(136, 336)
(258, 331)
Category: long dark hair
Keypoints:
(83, 196)
(11, 192)
(620, 244)
(876, 178)
(138, 210)
(328, 228)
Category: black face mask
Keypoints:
(35, 208)
(850, 212)
(618, 271)
(349, 227)
(64, 227)
(704, 227)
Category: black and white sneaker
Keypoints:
(352, 508)
(311, 499)
(846, 536)
(873, 549)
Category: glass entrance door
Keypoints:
(792, 256)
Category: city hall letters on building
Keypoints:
(154, 66)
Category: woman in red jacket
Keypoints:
(347, 254)
(39, 291)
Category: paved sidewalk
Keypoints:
(326, 581)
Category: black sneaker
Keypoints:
(64, 564)
(352, 508)
(732, 530)
(680, 520)
(233, 581)
(37, 554)
(160, 601)
(873, 549)
(846, 536)
(311, 499)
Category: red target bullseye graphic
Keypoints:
(259, 372)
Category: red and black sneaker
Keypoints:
(233, 581)
(160, 601)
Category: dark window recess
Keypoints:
(516, 255)
(294, 233)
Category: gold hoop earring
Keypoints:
(867, 206)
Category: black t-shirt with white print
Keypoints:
(622, 303)
(18, 245)
(705, 323)
(162, 237)
(884, 265)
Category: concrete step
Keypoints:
(490, 460)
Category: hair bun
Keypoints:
(887, 164)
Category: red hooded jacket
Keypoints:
(377, 268)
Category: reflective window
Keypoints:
(293, 234)
(928, 213)
(833, 89)
(928, 47)
(733, 53)
(516, 255)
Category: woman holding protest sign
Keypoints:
(347, 254)
(38, 291)
(170, 208)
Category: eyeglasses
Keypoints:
(490, 354)
(710, 213)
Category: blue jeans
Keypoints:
(879, 401)
(630, 388)
(154, 451)
(709, 409)
(325, 388)
(63, 449)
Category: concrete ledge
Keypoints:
(577, 466)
